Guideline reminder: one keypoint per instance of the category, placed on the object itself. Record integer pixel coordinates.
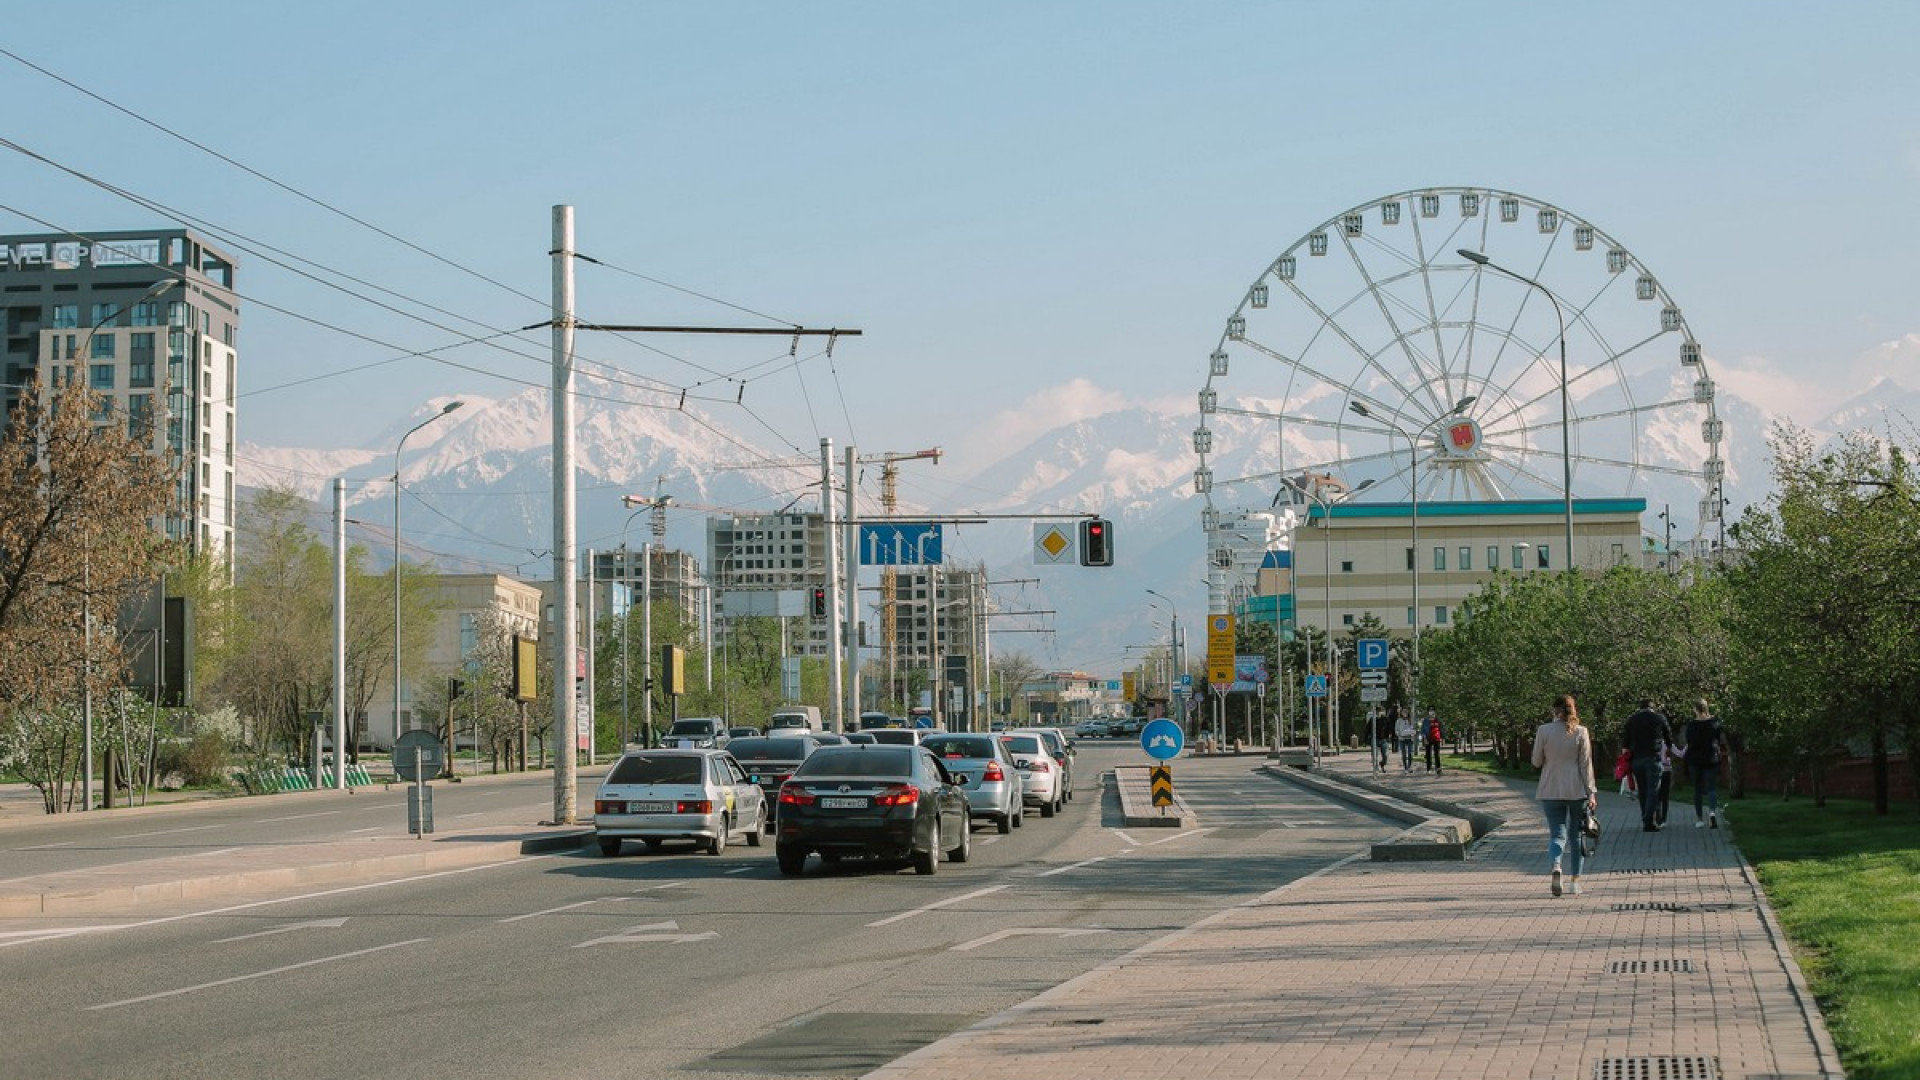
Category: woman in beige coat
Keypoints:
(1563, 752)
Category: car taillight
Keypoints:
(1041, 765)
(897, 796)
(993, 773)
(608, 806)
(796, 796)
(693, 806)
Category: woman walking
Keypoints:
(1563, 752)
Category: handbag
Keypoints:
(1623, 765)
(1589, 831)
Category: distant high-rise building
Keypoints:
(149, 320)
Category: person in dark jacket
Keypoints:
(1647, 735)
(1383, 722)
(1706, 743)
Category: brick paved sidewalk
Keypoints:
(1670, 965)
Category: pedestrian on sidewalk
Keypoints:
(1706, 747)
(1434, 739)
(1563, 752)
(1405, 731)
(1383, 722)
(1647, 733)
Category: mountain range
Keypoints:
(478, 486)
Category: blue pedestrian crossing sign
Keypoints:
(1372, 654)
(1316, 686)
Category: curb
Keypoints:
(1439, 832)
(1136, 802)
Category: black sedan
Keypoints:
(889, 803)
(769, 760)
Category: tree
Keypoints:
(1010, 671)
(77, 501)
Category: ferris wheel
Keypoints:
(1474, 344)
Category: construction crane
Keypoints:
(889, 577)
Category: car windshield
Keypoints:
(758, 748)
(691, 727)
(857, 761)
(899, 736)
(650, 769)
(960, 746)
(1024, 744)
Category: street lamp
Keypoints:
(1173, 648)
(1326, 599)
(626, 620)
(1566, 429)
(1413, 484)
(449, 407)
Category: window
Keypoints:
(66, 316)
(469, 634)
(100, 376)
(1519, 556)
(1493, 556)
(1619, 554)
(147, 314)
(1409, 560)
(1439, 558)
(1466, 558)
(1410, 617)
(140, 357)
(1346, 620)
(140, 417)
(102, 347)
(1440, 615)
(1346, 566)
(1541, 558)
(102, 313)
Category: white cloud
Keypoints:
(1045, 410)
(1806, 398)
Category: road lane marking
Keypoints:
(44, 847)
(938, 904)
(168, 832)
(557, 910)
(1027, 931)
(163, 920)
(659, 931)
(375, 828)
(329, 924)
(223, 851)
(1072, 866)
(296, 817)
(1125, 839)
(740, 870)
(255, 975)
(661, 885)
(52, 932)
(1177, 836)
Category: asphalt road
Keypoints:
(671, 964)
(39, 843)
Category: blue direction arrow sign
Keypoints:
(1162, 739)
(900, 543)
(1372, 654)
(1316, 686)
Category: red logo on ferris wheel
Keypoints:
(1463, 437)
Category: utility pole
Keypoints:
(565, 772)
(851, 594)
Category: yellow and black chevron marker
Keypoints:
(1162, 782)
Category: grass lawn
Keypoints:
(1846, 885)
(1482, 761)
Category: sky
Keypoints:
(1031, 211)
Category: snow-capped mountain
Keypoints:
(478, 491)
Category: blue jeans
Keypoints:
(1706, 787)
(1646, 775)
(1406, 754)
(1381, 748)
(1563, 818)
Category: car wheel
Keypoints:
(1020, 815)
(926, 862)
(1047, 808)
(609, 846)
(791, 859)
(754, 834)
(652, 845)
(1004, 824)
(1060, 804)
(965, 850)
(719, 842)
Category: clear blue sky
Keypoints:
(1005, 197)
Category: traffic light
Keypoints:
(1096, 542)
(819, 602)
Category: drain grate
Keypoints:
(1650, 967)
(1643, 870)
(1669, 908)
(1656, 1068)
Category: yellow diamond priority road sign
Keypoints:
(1051, 545)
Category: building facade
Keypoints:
(769, 564)
(469, 605)
(149, 320)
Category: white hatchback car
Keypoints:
(658, 795)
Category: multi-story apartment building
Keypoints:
(675, 577)
(940, 622)
(149, 320)
(758, 561)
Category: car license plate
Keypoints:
(649, 808)
(834, 802)
(960, 778)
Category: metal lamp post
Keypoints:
(449, 407)
(1173, 648)
(1413, 465)
(1566, 428)
(1326, 599)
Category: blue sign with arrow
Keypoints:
(904, 543)
(1162, 739)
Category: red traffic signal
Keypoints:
(819, 602)
(1096, 542)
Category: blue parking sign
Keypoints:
(1371, 654)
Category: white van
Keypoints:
(794, 720)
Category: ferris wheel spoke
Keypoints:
(1328, 322)
(1423, 380)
